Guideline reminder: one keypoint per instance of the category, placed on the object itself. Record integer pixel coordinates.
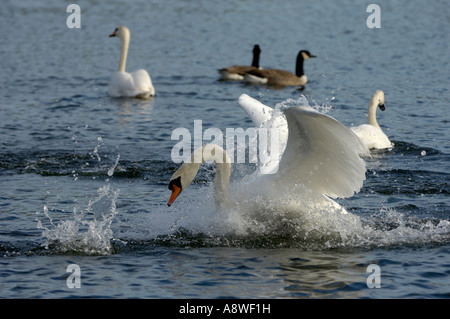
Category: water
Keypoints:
(84, 177)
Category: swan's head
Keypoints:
(305, 54)
(181, 179)
(184, 176)
(378, 99)
(176, 188)
(121, 32)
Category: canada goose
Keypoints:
(236, 72)
(280, 78)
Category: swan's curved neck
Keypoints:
(209, 152)
(372, 117)
(221, 184)
(124, 52)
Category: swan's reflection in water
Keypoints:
(268, 273)
(133, 110)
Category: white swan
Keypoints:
(281, 78)
(321, 155)
(371, 134)
(184, 176)
(123, 84)
(236, 72)
(265, 117)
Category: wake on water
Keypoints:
(199, 224)
(258, 222)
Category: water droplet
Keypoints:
(111, 170)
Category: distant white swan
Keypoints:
(281, 78)
(236, 72)
(371, 134)
(123, 84)
(321, 155)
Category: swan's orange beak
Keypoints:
(113, 34)
(175, 192)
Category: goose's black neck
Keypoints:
(256, 52)
(299, 65)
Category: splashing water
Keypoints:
(302, 101)
(389, 227)
(286, 223)
(111, 170)
(288, 220)
(89, 232)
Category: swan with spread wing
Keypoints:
(321, 154)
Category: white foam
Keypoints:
(88, 231)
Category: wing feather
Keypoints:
(322, 154)
(258, 112)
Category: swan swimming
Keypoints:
(321, 159)
(124, 84)
(236, 72)
(371, 133)
(281, 78)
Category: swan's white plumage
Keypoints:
(134, 84)
(124, 84)
(371, 133)
(265, 117)
(258, 112)
(322, 156)
(373, 137)
(316, 149)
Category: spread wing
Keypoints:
(322, 154)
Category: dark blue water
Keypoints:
(84, 177)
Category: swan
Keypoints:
(371, 133)
(264, 116)
(281, 78)
(184, 176)
(124, 84)
(321, 155)
(236, 72)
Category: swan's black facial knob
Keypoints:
(114, 33)
(176, 188)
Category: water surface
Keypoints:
(84, 177)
